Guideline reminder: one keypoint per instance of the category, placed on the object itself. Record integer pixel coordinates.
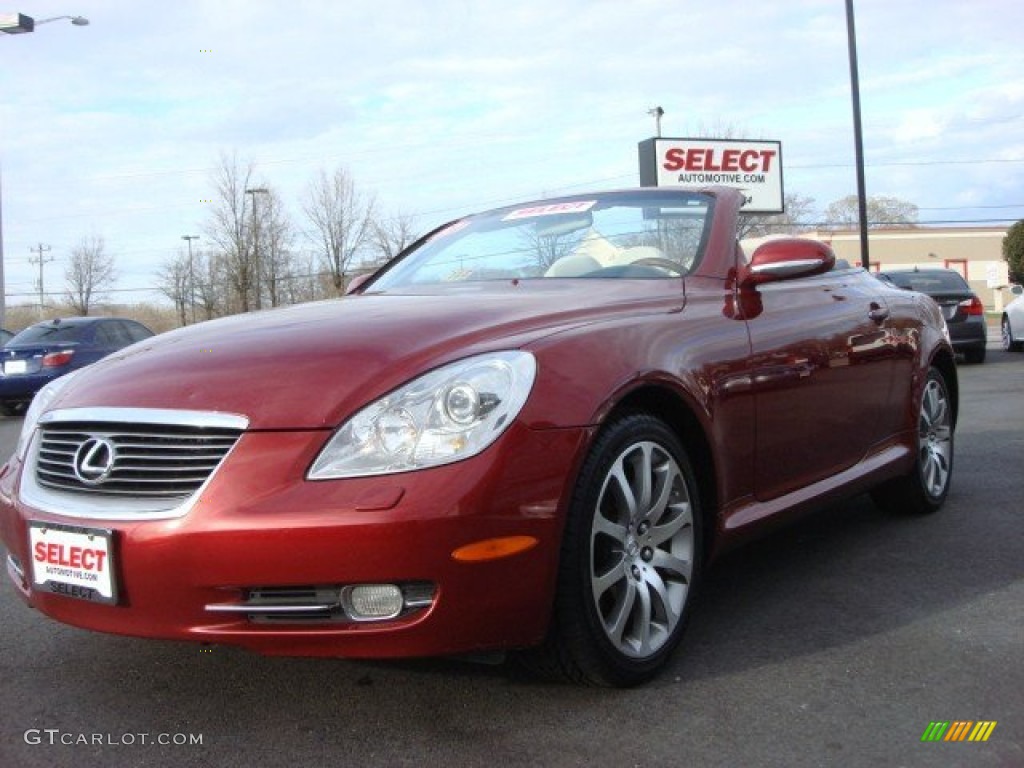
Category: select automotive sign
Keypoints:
(753, 167)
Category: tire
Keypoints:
(631, 558)
(974, 355)
(1009, 343)
(924, 489)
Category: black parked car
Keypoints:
(44, 351)
(963, 310)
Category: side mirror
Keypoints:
(785, 259)
(357, 282)
(1016, 290)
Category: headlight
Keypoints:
(39, 405)
(443, 416)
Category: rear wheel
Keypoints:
(630, 558)
(1009, 343)
(925, 488)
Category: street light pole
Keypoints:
(858, 137)
(19, 23)
(14, 24)
(657, 114)
(191, 275)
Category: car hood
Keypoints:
(311, 366)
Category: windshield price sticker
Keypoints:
(550, 210)
(74, 562)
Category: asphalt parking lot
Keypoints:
(833, 643)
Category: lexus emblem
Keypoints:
(94, 460)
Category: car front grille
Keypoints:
(155, 461)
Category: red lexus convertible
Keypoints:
(531, 431)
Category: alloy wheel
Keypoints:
(935, 445)
(642, 550)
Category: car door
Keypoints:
(821, 369)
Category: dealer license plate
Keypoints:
(15, 367)
(72, 561)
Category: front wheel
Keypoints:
(630, 557)
(925, 488)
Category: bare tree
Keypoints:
(882, 212)
(173, 282)
(275, 234)
(342, 220)
(211, 285)
(230, 228)
(393, 235)
(545, 250)
(798, 217)
(89, 273)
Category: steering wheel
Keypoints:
(660, 263)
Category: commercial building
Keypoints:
(974, 252)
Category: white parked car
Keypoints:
(1013, 321)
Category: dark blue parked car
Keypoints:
(44, 351)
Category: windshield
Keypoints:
(929, 281)
(48, 334)
(619, 235)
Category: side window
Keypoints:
(135, 331)
(112, 334)
(105, 335)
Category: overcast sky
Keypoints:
(443, 107)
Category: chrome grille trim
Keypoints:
(171, 463)
(157, 416)
(159, 463)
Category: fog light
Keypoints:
(369, 602)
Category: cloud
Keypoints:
(449, 106)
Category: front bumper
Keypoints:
(259, 524)
(971, 333)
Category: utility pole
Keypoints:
(191, 276)
(41, 261)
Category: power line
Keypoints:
(898, 163)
